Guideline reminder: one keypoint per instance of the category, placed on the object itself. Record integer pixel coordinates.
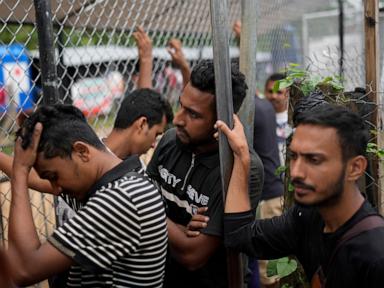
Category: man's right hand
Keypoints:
(144, 44)
(175, 50)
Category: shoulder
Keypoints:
(127, 191)
(371, 242)
(168, 138)
(263, 106)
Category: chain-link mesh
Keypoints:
(97, 60)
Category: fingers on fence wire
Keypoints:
(144, 43)
(175, 50)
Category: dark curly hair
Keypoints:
(351, 129)
(63, 125)
(203, 78)
(143, 102)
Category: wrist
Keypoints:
(244, 159)
(146, 59)
(20, 171)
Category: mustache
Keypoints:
(182, 130)
(300, 184)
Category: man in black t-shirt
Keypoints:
(186, 165)
(327, 158)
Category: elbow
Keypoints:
(192, 262)
(20, 274)
(21, 278)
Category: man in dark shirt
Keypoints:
(186, 165)
(327, 158)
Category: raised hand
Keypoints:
(144, 43)
(178, 58)
(175, 50)
(236, 137)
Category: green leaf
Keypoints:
(286, 266)
(293, 65)
(291, 188)
(327, 79)
(272, 268)
(298, 74)
(284, 83)
(276, 86)
(280, 170)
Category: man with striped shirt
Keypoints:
(118, 238)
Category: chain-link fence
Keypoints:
(97, 60)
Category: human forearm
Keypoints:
(6, 164)
(186, 73)
(192, 253)
(237, 195)
(22, 235)
(34, 181)
(144, 46)
(145, 74)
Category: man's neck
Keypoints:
(336, 215)
(117, 142)
(206, 148)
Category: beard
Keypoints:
(335, 189)
(192, 144)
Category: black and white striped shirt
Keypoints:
(119, 238)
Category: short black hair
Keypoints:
(63, 125)
(351, 129)
(143, 102)
(203, 78)
(275, 77)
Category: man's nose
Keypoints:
(178, 119)
(297, 169)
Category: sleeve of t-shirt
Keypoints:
(375, 276)
(264, 239)
(104, 230)
(256, 179)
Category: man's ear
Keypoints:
(356, 168)
(81, 150)
(141, 123)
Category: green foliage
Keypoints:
(282, 267)
(305, 82)
(280, 170)
(17, 33)
(376, 151)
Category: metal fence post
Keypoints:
(224, 106)
(47, 51)
(248, 48)
(372, 63)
